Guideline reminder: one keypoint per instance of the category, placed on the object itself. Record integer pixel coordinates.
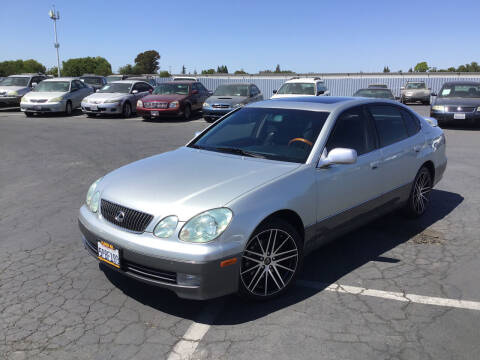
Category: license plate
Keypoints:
(460, 116)
(108, 254)
(155, 113)
(94, 107)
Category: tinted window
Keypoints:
(411, 122)
(353, 130)
(389, 123)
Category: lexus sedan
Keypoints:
(116, 98)
(228, 97)
(55, 95)
(238, 207)
(457, 102)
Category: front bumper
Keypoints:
(174, 112)
(449, 117)
(10, 100)
(211, 113)
(105, 108)
(162, 268)
(415, 98)
(43, 108)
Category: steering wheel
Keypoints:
(301, 140)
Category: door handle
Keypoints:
(374, 165)
(417, 148)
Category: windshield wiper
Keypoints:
(239, 152)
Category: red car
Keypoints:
(174, 99)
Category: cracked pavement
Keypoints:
(57, 302)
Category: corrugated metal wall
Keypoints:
(339, 85)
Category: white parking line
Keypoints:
(187, 345)
(417, 299)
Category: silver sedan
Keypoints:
(117, 97)
(238, 207)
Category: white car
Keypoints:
(62, 94)
(298, 86)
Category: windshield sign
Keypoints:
(461, 90)
(15, 81)
(231, 90)
(297, 89)
(53, 86)
(276, 134)
(172, 89)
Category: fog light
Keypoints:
(188, 279)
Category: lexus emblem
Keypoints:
(120, 216)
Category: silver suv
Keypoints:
(13, 87)
(414, 91)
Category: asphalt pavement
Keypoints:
(394, 289)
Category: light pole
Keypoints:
(55, 16)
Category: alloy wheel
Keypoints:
(269, 262)
(421, 192)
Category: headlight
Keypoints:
(206, 226)
(166, 227)
(12, 93)
(139, 103)
(24, 100)
(440, 108)
(114, 101)
(173, 104)
(95, 202)
(207, 105)
(90, 193)
(57, 99)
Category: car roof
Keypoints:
(62, 79)
(25, 75)
(127, 81)
(304, 80)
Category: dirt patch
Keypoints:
(428, 236)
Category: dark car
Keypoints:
(383, 86)
(173, 98)
(379, 93)
(457, 102)
(229, 97)
(94, 81)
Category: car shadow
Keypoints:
(164, 119)
(323, 267)
(75, 112)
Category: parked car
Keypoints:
(229, 97)
(371, 92)
(148, 79)
(94, 81)
(184, 78)
(383, 86)
(302, 87)
(13, 87)
(457, 102)
(238, 207)
(62, 94)
(118, 97)
(173, 98)
(115, 77)
(414, 91)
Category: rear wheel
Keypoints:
(420, 194)
(270, 261)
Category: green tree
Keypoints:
(451, 69)
(86, 65)
(52, 71)
(222, 69)
(208, 72)
(386, 69)
(147, 62)
(421, 67)
(12, 67)
(165, 74)
(240, 72)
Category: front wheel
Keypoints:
(28, 114)
(187, 112)
(127, 110)
(270, 261)
(420, 194)
(68, 108)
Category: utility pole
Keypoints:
(55, 16)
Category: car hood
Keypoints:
(278, 96)
(101, 97)
(187, 181)
(11, 88)
(230, 100)
(457, 101)
(164, 97)
(43, 95)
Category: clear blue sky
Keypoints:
(304, 36)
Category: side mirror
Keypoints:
(338, 156)
(433, 94)
(274, 91)
(34, 84)
(135, 92)
(194, 92)
(402, 88)
(150, 90)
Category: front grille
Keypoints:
(460, 109)
(155, 105)
(221, 106)
(40, 101)
(133, 220)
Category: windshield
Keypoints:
(114, 78)
(53, 86)
(231, 90)
(15, 81)
(172, 89)
(92, 80)
(123, 88)
(383, 86)
(276, 134)
(297, 88)
(375, 93)
(460, 90)
(413, 86)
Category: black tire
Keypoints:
(127, 110)
(419, 198)
(427, 102)
(187, 112)
(208, 119)
(28, 114)
(91, 115)
(263, 275)
(147, 117)
(68, 108)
